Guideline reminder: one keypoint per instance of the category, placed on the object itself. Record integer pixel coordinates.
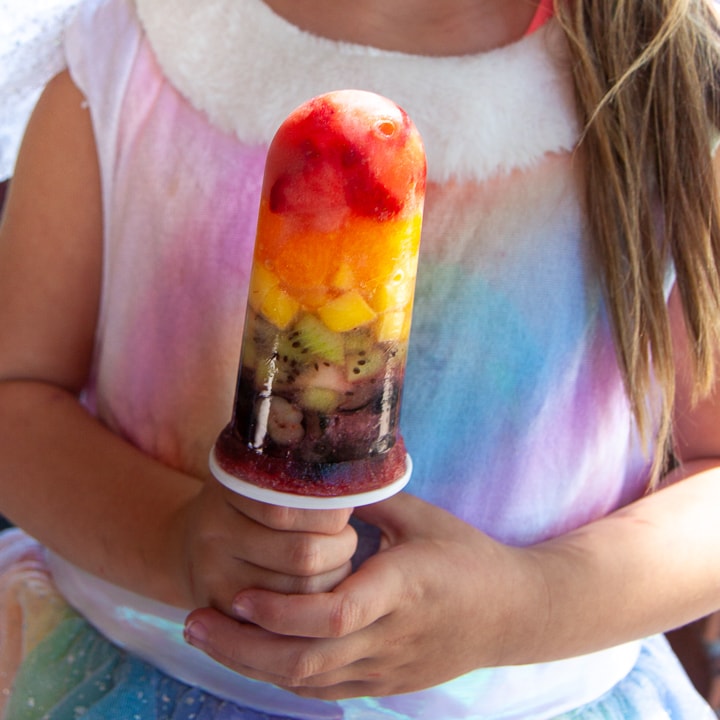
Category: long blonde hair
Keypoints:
(647, 78)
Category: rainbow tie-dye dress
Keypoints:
(513, 409)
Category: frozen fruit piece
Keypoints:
(378, 249)
(262, 281)
(320, 399)
(361, 393)
(346, 312)
(322, 375)
(279, 307)
(284, 420)
(359, 339)
(397, 289)
(258, 331)
(311, 337)
(300, 256)
(345, 152)
(393, 326)
(364, 364)
(344, 278)
(357, 434)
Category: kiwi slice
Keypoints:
(258, 339)
(310, 337)
(319, 399)
(358, 340)
(364, 364)
(273, 372)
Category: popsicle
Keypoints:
(317, 405)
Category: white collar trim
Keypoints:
(247, 68)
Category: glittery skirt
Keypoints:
(55, 666)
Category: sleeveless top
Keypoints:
(513, 410)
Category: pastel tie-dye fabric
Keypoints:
(513, 411)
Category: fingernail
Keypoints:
(196, 633)
(243, 609)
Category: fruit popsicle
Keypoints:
(317, 404)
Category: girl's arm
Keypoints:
(64, 477)
(442, 589)
(653, 565)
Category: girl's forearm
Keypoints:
(87, 494)
(642, 570)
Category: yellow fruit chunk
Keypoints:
(346, 312)
(396, 291)
(319, 399)
(262, 281)
(393, 326)
(279, 307)
(344, 278)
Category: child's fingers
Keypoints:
(358, 602)
(277, 517)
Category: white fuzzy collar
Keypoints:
(246, 67)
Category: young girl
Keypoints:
(565, 330)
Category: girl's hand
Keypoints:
(230, 543)
(438, 600)
(441, 598)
